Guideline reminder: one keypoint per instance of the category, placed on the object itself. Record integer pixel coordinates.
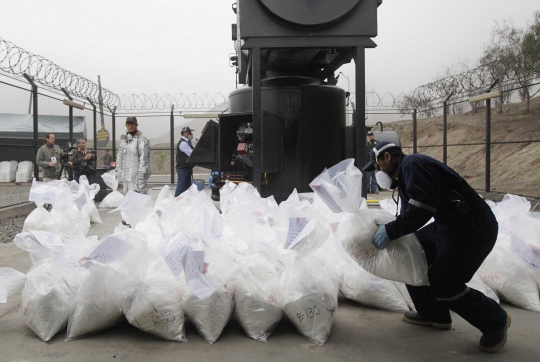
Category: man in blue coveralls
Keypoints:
(456, 243)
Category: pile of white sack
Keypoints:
(183, 259)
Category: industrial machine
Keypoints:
(287, 122)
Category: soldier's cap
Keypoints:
(376, 151)
(131, 120)
(370, 133)
(187, 129)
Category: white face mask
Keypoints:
(190, 137)
(384, 180)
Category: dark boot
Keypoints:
(415, 318)
(486, 315)
(493, 341)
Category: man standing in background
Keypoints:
(183, 169)
(372, 186)
(134, 159)
(83, 161)
(48, 158)
(107, 159)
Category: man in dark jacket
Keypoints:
(370, 175)
(83, 161)
(183, 169)
(456, 243)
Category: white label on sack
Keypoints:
(41, 197)
(299, 229)
(81, 201)
(216, 229)
(174, 253)
(110, 250)
(46, 238)
(132, 197)
(193, 271)
(528, 254)
(322, 192)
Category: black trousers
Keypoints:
(454, 254)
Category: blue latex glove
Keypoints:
(141, 176)
(381, 239)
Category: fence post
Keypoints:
(488, 145)
(172, 144)
(113, 111)
(445, 128)
(415, 132)
(36, 122)
(70, 142)
(94, 118)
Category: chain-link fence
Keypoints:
(495, 149)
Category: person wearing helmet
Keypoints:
(462, 235)
(183, 169)
(133, 161)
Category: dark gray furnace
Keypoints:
(287, 122)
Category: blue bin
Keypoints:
(199, 183)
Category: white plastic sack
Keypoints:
(257, 297)
(112, 200)
(135, 207)
(403, 260)
(11, 282)
(154, 306)
(508, 277)
(364, 288)
(310, 297)
(45, 306)
(164, 198)
(40, 219)
(118, 262)
(24, 171)
(340, 187)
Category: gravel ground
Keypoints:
(10, 227)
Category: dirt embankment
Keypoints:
(514, 166)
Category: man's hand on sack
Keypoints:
(381, 239)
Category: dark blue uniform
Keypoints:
(463, 234)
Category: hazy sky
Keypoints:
(183, 46)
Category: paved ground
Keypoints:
(358, 334)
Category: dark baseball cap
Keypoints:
(131, 120)
(379, 147)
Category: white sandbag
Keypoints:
(109, 178)
(256, 290)
(405, 293)
(477, 283)
(118, 262)
(211, 314)
(45, 306)
(40, 219)
(24, 171)
(135, 207)
(364, 288)
(403, 260)
(112, 200)
(154, 306)
(5, 171)
(11, 282)
(340, 187)
(508, 277)
(165, 196)
(310, 297)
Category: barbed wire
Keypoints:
(140, 102)
(522, 69)
(17, 61)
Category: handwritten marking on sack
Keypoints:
(308, 313)
(194, 273)
(366, 254)
(110, 250)
(528, 254)
(41, 197)
(46, 238)
(174, 253)
(81, 201)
